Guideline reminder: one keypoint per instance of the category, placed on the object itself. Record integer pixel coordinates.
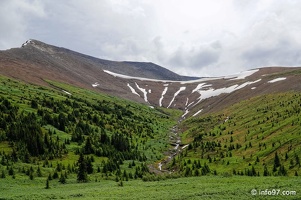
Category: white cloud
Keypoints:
(193, 37)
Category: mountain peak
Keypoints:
(27, 42)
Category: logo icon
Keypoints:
(254, 192)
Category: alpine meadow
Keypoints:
(76, 127)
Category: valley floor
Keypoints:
(204, 187)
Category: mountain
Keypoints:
(71, 118)
(36, 62)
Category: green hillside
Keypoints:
(44, 131)
(256, 137)
(64, 142)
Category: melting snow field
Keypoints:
(205, 94)
(241, 75)
(277, 79)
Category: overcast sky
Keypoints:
(191, 37)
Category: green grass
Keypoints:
(206, 187)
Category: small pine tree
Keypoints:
(265, 171)
(89, 166)
(82, 169)
(120, 184)
(49, 177)
(276, 160)
(55, 175)
(297, 160)
(39, 172)
(31, 177)
(11, 171)
(47, 184)
(3, 174)
(62, 179)
(196, 172)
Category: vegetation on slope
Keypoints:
(256, 137)
(58, 138)
(54, 133)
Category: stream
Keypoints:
(177, 147)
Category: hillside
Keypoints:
(47, 130)
(246, 138)
(68, 118)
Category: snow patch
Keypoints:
(200, 86)
(198, 112)
(186, 102)
(277, 79)
(176, 94)
(95, 84)
(205, 94)
(133, 90)
(246, 84)
(186, 112)
(149, 91)
(185, 146)
(190, 104)
(162, 96)
(242, 75)
(143, 91)
(66, 92)
(160, 166)
(134, 77)
(27, 42)
(253, 88)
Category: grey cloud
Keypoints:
(285, 53)
(257, 33)
(194, 59)
(14, 17)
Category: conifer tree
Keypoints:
(62, 178)
(82, 169)
(47, 184)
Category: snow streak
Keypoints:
(133, 90)
(162, 96)
(143, 91)
(176, 94)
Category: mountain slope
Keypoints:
(37, 62)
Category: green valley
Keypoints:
(64, 142)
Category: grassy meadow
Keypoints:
(205, 187)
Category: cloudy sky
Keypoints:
(191, 37)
